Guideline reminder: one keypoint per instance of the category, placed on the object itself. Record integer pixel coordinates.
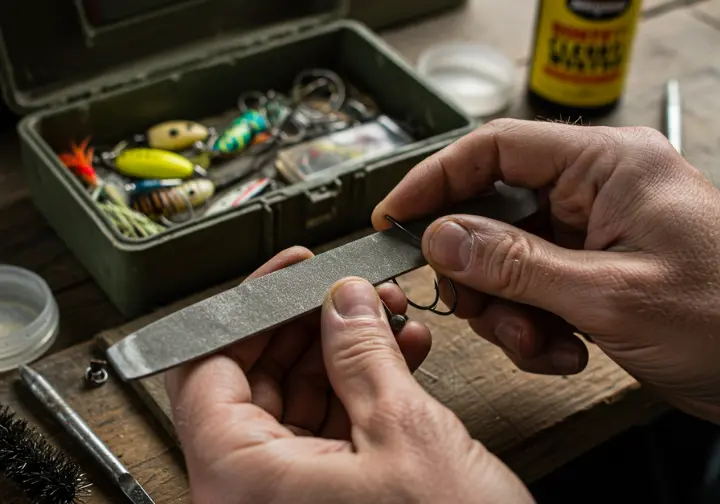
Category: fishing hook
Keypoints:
(417, 241)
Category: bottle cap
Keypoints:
(29, 317)
(477, 77)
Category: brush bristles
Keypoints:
(45, 474)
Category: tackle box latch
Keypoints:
(322, 203)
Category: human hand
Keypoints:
(326, 410)
(627, 253)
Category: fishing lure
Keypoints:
(240, 195)
(80, 162)
(129, 222)
(174, 135)
(172, 201)
(240, 132)
(256, 120)
(142, 186)
(152, 164)
(260, 138)
(200, 158)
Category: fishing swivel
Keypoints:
(396, 320)
(432, 307)
(96, 374)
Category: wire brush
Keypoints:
(45, 474)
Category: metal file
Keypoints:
(287, 294)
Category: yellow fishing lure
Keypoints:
(176, 135)
(153, 164)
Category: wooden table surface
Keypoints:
(534, 423)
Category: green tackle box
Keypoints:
(73, 76)
(379, 14)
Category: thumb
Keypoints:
(363, 361)
(498, 259)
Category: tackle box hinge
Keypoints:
(84, 94)
(269, 238)
(275, 35)
(359, 192)
(321, 203)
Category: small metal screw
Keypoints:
(96, 374)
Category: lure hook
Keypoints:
(432, 307)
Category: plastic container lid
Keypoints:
(29, 317)
(478, 77)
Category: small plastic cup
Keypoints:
(477, 77)
(29, 317)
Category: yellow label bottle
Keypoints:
(580, 56)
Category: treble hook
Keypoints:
(417, 241)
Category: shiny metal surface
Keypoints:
(673, 112)
(78, 429)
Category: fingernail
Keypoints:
(510, 335)
(356, 298)
(565, 360)
(450, 246)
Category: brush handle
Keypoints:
(77, 428)
(71, 421)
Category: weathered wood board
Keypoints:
(708, 11)
(534, 424)
(510, 411)
(508, 26)
(115, 415)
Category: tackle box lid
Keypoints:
(57, 51)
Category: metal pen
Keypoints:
(673, 114)
(82, 433)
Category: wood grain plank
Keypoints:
(508, 26)
(121, 423)
(504, 408)
(29, 242)
(84, 311)
(708, 11)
